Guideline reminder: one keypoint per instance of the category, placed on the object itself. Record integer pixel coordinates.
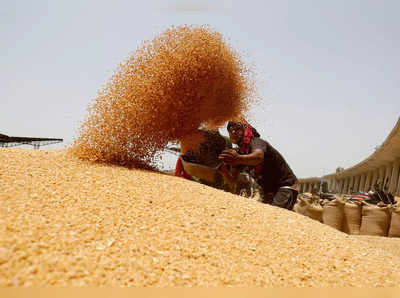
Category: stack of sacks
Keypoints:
(309, 206)
(353, 218)
(328, 212)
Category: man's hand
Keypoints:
(230, 157)
(233, 158)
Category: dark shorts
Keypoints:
(284, 198)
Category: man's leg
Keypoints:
(285, 198)
(267, 198)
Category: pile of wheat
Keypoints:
(64, 221)
(186, 77)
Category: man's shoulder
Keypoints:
(258, 143)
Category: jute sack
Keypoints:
(309, 207)
(352, 218)
(301, 205)
(333, 214)
(315, 210)
(394, 229)
(375, 220)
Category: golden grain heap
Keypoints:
(185, 77)
(68, 222)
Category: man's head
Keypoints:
(236, 132)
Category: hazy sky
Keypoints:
(328, 71)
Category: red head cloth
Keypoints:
(247, 137)
(249, 133)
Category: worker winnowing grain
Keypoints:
(199, 161)
(268, 166)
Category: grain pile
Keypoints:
(186, 77)
(68, 222)
(390, 245)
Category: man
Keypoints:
(267, 165)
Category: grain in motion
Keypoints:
(186, 77)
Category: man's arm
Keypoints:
(233, 158)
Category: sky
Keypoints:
(328, 72)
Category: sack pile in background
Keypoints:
(353, 218)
